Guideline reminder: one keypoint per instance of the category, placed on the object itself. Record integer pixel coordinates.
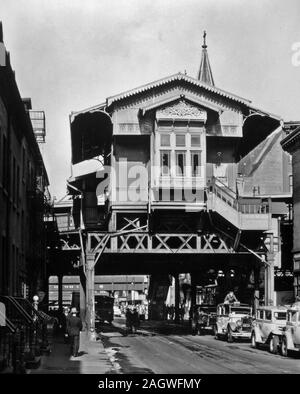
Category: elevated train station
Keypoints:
(181, 177)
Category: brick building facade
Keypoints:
(23, 192)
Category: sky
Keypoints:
(72, 54)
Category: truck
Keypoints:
(104, 308)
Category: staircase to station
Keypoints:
(243, 215)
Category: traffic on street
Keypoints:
(167, 349)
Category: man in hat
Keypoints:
(74, 326)
(230, 298)
(64, 324)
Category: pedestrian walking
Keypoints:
(128, 317)
(181, 312)
(135, 320)
(74, 326)
(172, 312)
(64, 324)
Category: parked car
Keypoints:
(268, 326)
(290, 339)
(233, 321)
(203, 319)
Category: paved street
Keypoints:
(161, 349)
(150, 352)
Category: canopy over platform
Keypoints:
(91, 135)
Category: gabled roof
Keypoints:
(176, 77)
(94, 108)
(104, 106)
(257, 155)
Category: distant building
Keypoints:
(23, 191)
(126, 289)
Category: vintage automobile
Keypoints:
(290, 339)
(233, 321)
(203, 319)
(268, 327)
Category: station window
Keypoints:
(180, 163)
(165, 163)
(180, 139)
(195, 140)
(196, 163)
(180, 153)
(165, 140)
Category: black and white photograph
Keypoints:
(149, 191)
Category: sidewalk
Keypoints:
(92, 359)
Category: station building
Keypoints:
(187, 178)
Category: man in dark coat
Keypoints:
(135, 320)
(74, 326)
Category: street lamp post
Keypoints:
(34, 333)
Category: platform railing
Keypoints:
(229, 197)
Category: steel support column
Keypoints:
(60, 292)
(82, 295)
(193, 293)
(269, 280)
(256, 271)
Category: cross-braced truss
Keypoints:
(143, 242)
(70, 242)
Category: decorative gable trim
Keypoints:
(183, 110)
(176, 77)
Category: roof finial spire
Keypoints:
(205, 73)
(204, 40)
